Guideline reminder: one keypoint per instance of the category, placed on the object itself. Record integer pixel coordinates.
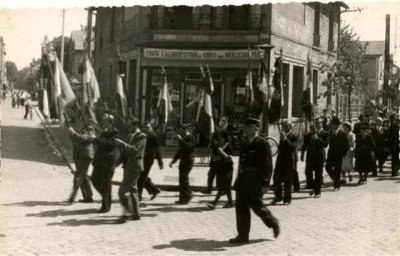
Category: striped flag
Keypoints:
(121, 97)
(204, 118)
(306, 105)
(276, 104)
(90, 88)
(164, 104)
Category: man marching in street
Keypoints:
(151, 152)
(185, 156)
(133, 167)
(83, 152)
(285, 166)
(314, 144)
(255, 163)
(338, 146)
(105, 160)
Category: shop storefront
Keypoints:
(229, 70)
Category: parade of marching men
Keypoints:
(176, 122)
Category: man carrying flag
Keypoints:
(204, 118)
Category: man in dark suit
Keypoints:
(394, 149)
(365, 154)
(151, 152)
(105, 160)
(338, 146)
(133, 167)
(285, 164)
(255, 164)
(314, 144)
(185, 156)
(83, 152)
(382, 144)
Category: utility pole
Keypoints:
(62, 39)
(89, 31)
(386, 68)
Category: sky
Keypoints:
(24, 29)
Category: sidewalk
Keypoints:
(166, 179)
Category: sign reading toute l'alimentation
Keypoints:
(184, 54)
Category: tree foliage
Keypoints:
(12, 71)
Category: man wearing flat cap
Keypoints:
(82, 152)
(338, 146)
(255, 166)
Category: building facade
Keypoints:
(183, 38)
(3, 69)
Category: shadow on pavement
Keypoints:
(203, 245)
(177, 209)
(24, 143)
(61, 212)
(103, 220)
(36, 203)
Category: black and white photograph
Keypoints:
(199, 128)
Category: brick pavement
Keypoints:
(361, 220)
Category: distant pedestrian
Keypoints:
(22, 98)
(105, 160)
(338, 146)
(133, 167)
(347, 164)
(185, 156)
(151, 153)
(255, 166)
(82, 152)
(285, 164)
(28, 108)
(224, 167)
(13, 100)
(382, 144)
(364, 154)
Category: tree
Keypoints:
(12, 71)
(348, 72)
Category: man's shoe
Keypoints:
(275, 200)
(206, 191)
(297, 190)
(211, 205)
(276, 229)
(103, 211)
(239, 240)
(311, 193)
(343, 182)
(70, 201)
(134, 218)
(317, 196)
(155, 194)
(86, 200)
(228, 205)
(123, 219)
(287, 202)
(181, 202)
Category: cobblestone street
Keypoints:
(357, 220)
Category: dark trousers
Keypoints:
(212, 173)
(28, 111)
(295, 180)
(185, 194)
(309, 175)
(128, 193)
(382, 156)
(334, 168)
(395, 162)
(144, 181)
(283, 176)
(81, 179)
(101, 180)
(250, 200)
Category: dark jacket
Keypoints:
(106, 151)
(82, 145)
(255, 166)
(315, 148)
(152, 150)
(393, 134)
(287, 153)
(134, 152)
(185, 153)
(338, 146)
(365, 149)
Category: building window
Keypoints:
(174, 18)
(112, 30)
(315, 86)
(317, 12)
(298, 80)
(330, 40)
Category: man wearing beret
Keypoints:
(255, 165)
(83, 152)
(133, 166)
(185, 156)
(286, 163)
(338, 146)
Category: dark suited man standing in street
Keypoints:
(285, 166)
(133, 167)
(314, 144)
(338, 146)
(83, 152)
(255, 163)
(185, 156)
(151, 152)
(105, 160)
(394, 148)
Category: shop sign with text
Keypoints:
(181, 54)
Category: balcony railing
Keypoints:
(205, 21)
(317, 40)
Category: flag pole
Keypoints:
(281, 85)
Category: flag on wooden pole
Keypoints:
(306, 105)
(90, 88)
(276, 104)
(164, 104)
(121, 97)
(204, 116)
